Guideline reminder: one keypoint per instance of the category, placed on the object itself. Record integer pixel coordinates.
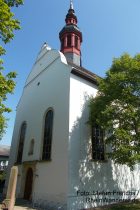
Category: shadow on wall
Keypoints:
(93, 183)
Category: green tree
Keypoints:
(2, 176)
(117, 109)
(8, 24)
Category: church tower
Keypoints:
(71, 38)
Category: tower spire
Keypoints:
(71, 4)
(71, 37)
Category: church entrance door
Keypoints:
(28, 184)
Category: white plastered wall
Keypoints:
(86, 175)
(47, 86)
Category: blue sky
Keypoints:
(109, 27)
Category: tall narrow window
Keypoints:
(62, 44)
(31, 149)
(21, 142)
(97, 143)
(76, 41)
(47, 144)
(69, 41)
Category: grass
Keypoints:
(128, 206)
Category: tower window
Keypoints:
(69, 41)
(21, 142)
(62, 44)
(97, 143)
(47, 144)
(76, 41)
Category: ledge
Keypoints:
(98, 161)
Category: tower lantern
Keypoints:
(71, 38)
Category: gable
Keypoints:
(45, 58)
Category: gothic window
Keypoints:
(69, 41)
(21, 142)
(97, 143)
(31, 149)
(76, 41)
(48, 128)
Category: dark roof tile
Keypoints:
(84, 73)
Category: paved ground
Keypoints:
(21, 205)
(21, 208)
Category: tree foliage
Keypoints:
(8, 24)
(12, 3)
(2, 176)
(117, 109)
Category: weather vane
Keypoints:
(71, 4)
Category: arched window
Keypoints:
(76, 41)
(97, 143)
(21, 142)
(69, 41)
(31, 149)
(62, 43)
(48, 128)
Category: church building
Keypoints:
(61, 160)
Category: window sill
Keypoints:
(99, 161)
(45, 160)
(16, 163)
(29, 154)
